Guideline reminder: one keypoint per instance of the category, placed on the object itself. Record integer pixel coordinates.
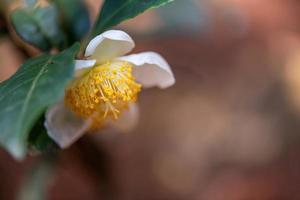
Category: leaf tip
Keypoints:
(17, 150)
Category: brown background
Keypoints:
(228, 129)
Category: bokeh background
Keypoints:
(228, 130)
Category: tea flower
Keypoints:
(105, 87)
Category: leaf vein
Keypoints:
(31, 90)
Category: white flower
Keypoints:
(105, 87)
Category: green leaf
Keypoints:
(75, 18)
(39, 27)
(116, 11)
(39, 140)
(39, 83)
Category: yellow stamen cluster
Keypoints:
(103, 91)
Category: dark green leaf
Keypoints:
(39, 83)
(116, 11)
(39, 140)
(39, 27)
(75, 18)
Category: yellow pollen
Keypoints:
(103, 91)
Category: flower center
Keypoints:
(102, 91)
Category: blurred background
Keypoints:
(229, 129)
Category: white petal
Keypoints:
(151, 69)
(109, 45)
(84, 64)
(63, 126)
(128, 119)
